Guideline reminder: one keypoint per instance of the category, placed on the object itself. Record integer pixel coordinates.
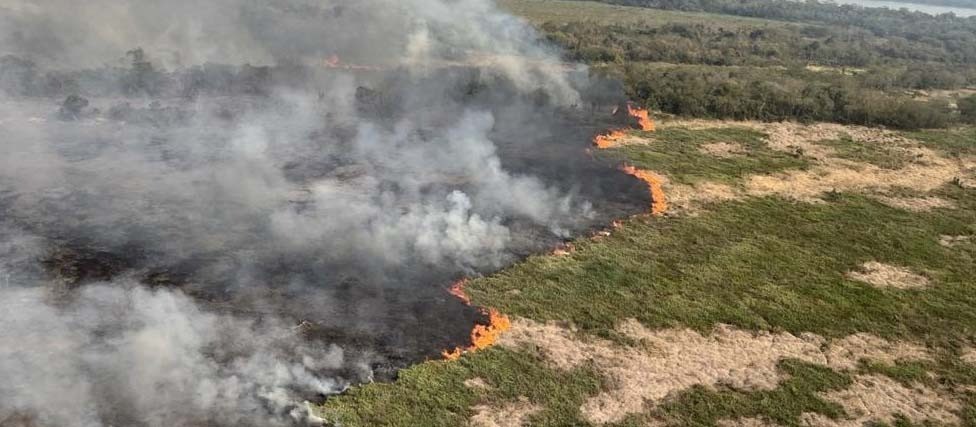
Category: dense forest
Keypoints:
(802, 61)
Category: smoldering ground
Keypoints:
(264, 203)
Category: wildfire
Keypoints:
(482, 336)
(659, 203)
(457, 289)
(609, 140)
(612, 139)
(643, 118)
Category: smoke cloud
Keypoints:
(211, 213)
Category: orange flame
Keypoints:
(643, 117)
(609, 140)
(613, 138)
(482, 336)
(457, 289)
(659, 203)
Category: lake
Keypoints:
(926, 8)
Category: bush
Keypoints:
(967, 109)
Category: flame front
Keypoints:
(643, 117)
(457, 289)
(609, 140)
(482, 336)
(612, 139)
(659, 203)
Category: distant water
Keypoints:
(916, 7)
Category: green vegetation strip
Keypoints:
(758, 264)
(878, 154)
(435, 394)
(678, 154)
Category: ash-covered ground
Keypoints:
(212, 213)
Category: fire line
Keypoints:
(659, 203)
(482, 336)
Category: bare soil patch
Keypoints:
(888, 276)
(672, 360)
(916, 204)
(723, 149)
(476, 384)
(875, 398)
(969, 356)
(688, 198)
(927, 171)
(745, 422)
(953, 241)
(513, 414)
(846, 353)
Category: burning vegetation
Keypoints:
(659, 202)
(483, 335)
(243, 222)
(637, 118)
(640, 120)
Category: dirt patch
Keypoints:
(689, 197)
(916, 204)
(969, 356)
(476, 384)
(888, 276)
(927, 171)
(513, 414)
(875, 398)
(745, 422)
(953, 241)
(844, 175)
(672, 360)
(723, 149)
(846, 353)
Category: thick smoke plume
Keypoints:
(213, 212)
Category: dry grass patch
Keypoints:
(874, 399)
(928, 171)
(846, 353)
(844, 175)
(514, 414)
(953, 241)
(672, 360)
(476, 384)
(924, 170)
(688, 198)
(723, 149)
(745, 422)
(888, 276)
(916, 204)
(969, 356)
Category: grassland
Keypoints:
(565, 11)
(754, 263)
(695, 318)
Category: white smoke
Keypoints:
(268, 189)
(161, 358)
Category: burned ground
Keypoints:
(640, 316)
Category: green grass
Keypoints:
(881, 155)
(676, 152)
(953, 142)
(762, 263)
(565, 11)
(758, 264)
(434, 393)
(783, 405)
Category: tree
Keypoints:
(967, 109)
